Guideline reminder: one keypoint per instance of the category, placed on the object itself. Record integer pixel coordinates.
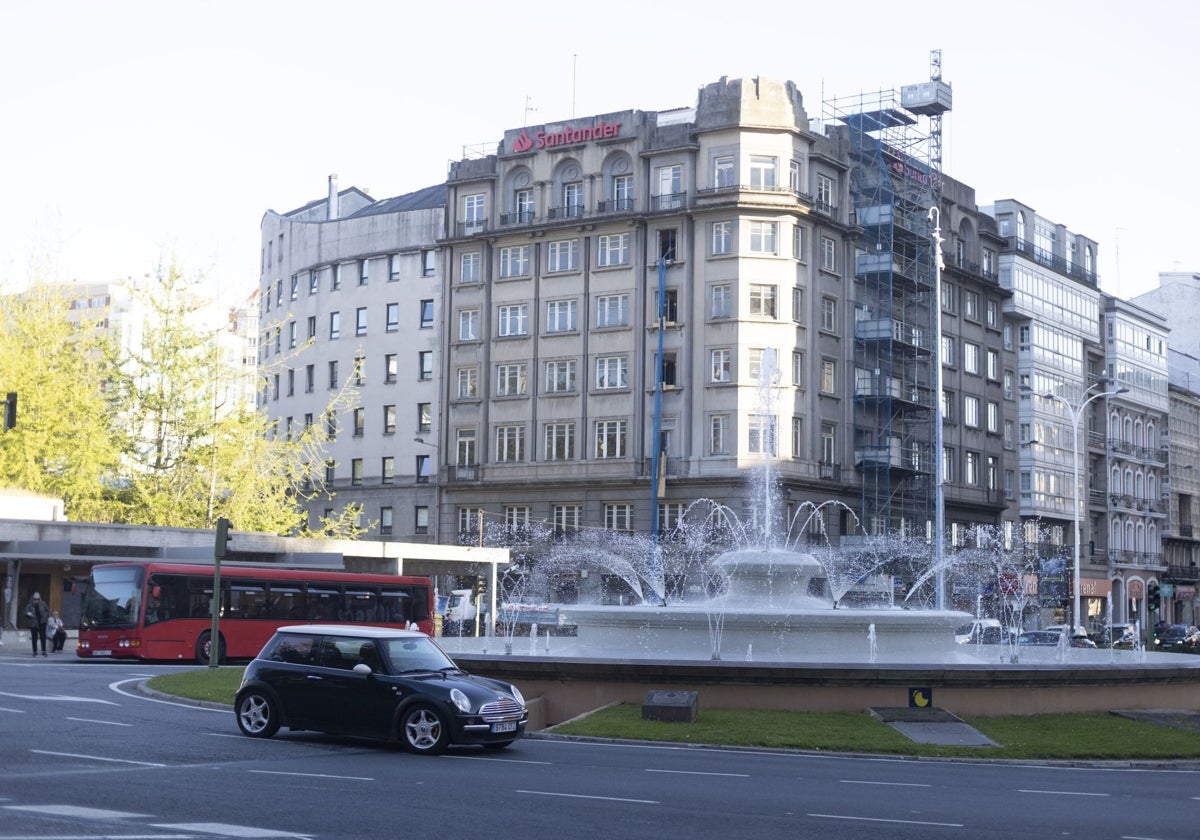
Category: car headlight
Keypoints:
(516, 693)
(460, 700)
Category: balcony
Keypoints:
(473, 227)
(1049, 260)
(569, 211)
(669, 201)
(521, 217)
(829, 472)
(615, 205)
(464, 472)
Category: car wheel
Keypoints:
(204, 649)
(257, 715)
(497, 745)
(423, 729)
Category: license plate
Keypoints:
(505, 726)
(102, 653)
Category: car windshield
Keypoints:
(416, 654)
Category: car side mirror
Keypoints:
(363, 668)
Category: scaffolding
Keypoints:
(894, 180)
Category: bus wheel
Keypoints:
(257, 715)
(204, 649)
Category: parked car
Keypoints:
(1042, 638)
(374, 682)
(1178, 637)
(985, 631)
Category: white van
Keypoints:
(984, 630)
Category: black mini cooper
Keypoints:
(374, 682)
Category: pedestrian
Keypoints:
(36, 616)
(56, 632)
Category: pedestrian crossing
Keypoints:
(133, 825)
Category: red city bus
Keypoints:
(163, 610)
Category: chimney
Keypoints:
(332, 207)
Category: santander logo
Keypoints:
(543, 139)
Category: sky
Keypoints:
(137, 134)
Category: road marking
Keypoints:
(227, 830)
(64, 698)
(878, 820)
(314, 775)
(98, 758)
(885, 784)
(696, 773)
(1063, 792)
(99, 837)
(105, 722)
(15, 711)
(116, 686)
(583, 796)
(77, 811)
(490, 758)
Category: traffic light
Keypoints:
(10, 410)
(480, 588)
(221, 549)
(1152, 597)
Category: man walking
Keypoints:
(36, 615)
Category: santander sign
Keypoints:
(542, 139)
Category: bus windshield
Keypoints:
(111, 599)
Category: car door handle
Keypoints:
(316, 677)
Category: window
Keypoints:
(723, 172)
(517, 516)
(291, 334)
(310, 375)
(389, 419)
(828, 444)
(622, 192)
(948, 350)
(514, 261)
(762, 172)
(722, 365)
(1008, 384)
(423, 466)
(314, 282)
(1008, 338)
(762, 434)
(668, 245)
(469, 271)
(427, 314)
(610, 439)
(468, 383)
(393, 268)
(670, 188)
(993, 365)
(718, 434)
(828, 254)
(993, 473)
(829, 314)
(824, 193)
(295, 286)
(424, 416)
(993, 417)
(670, 306)
(421, 519)
(513, 320)
(755, 359)
(799, 243)
(611, 372)
(947, 464)
(291, 382)
(762, 300)
(356, 471)
(562, 255)
(560, 441)
(828, 376)
(428, 263)
(721, 296)
(387, 469)
(722, 238)
(971, 305)
(336, 282)
(390, 367)
(573, 199)
(560, 376)
(425, 364)
(612, 310)
(464, 447)
(618, 517)
(970, 357)
(971, 468)
(385, 521)
(330, 471)
(947, 297)
(360, 321)
(523, 205)
(510, 380)
(393, 317)
(333, 374)
(946, 404)
(468, 325)
(612, 250)
(798, 368)
(762, 237)
(510, 444)
(473, 217)
(364, 272)
(971, 411)
(560, 316)
(566, 517)
(312, 326)
(335, 324)
(360, 421)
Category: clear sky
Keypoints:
(135, 132)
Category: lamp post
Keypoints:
(939, 524)
(1076, 415)
(437, 470)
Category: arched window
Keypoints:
(1020, 226)
(567, 199)
(1114, 423)
(1151, 436)
(1141, 538)
(1127, 432)
(1129, 543)
(1088, 258)
(1128, 488)
(522, 204)
(618, 183)
(1114, 483)
(1151, 486)
(1139, 486)
(1153, 534)
(1137, 433)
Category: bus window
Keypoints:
(397, 607)
(324, 601)
(166, 598)
(286, 601)
(248, 598)
(359, 605)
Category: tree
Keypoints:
(67, 442)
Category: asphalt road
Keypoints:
(84, 756)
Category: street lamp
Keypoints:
(437, 469)
(939, 525)
(1076, 415)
